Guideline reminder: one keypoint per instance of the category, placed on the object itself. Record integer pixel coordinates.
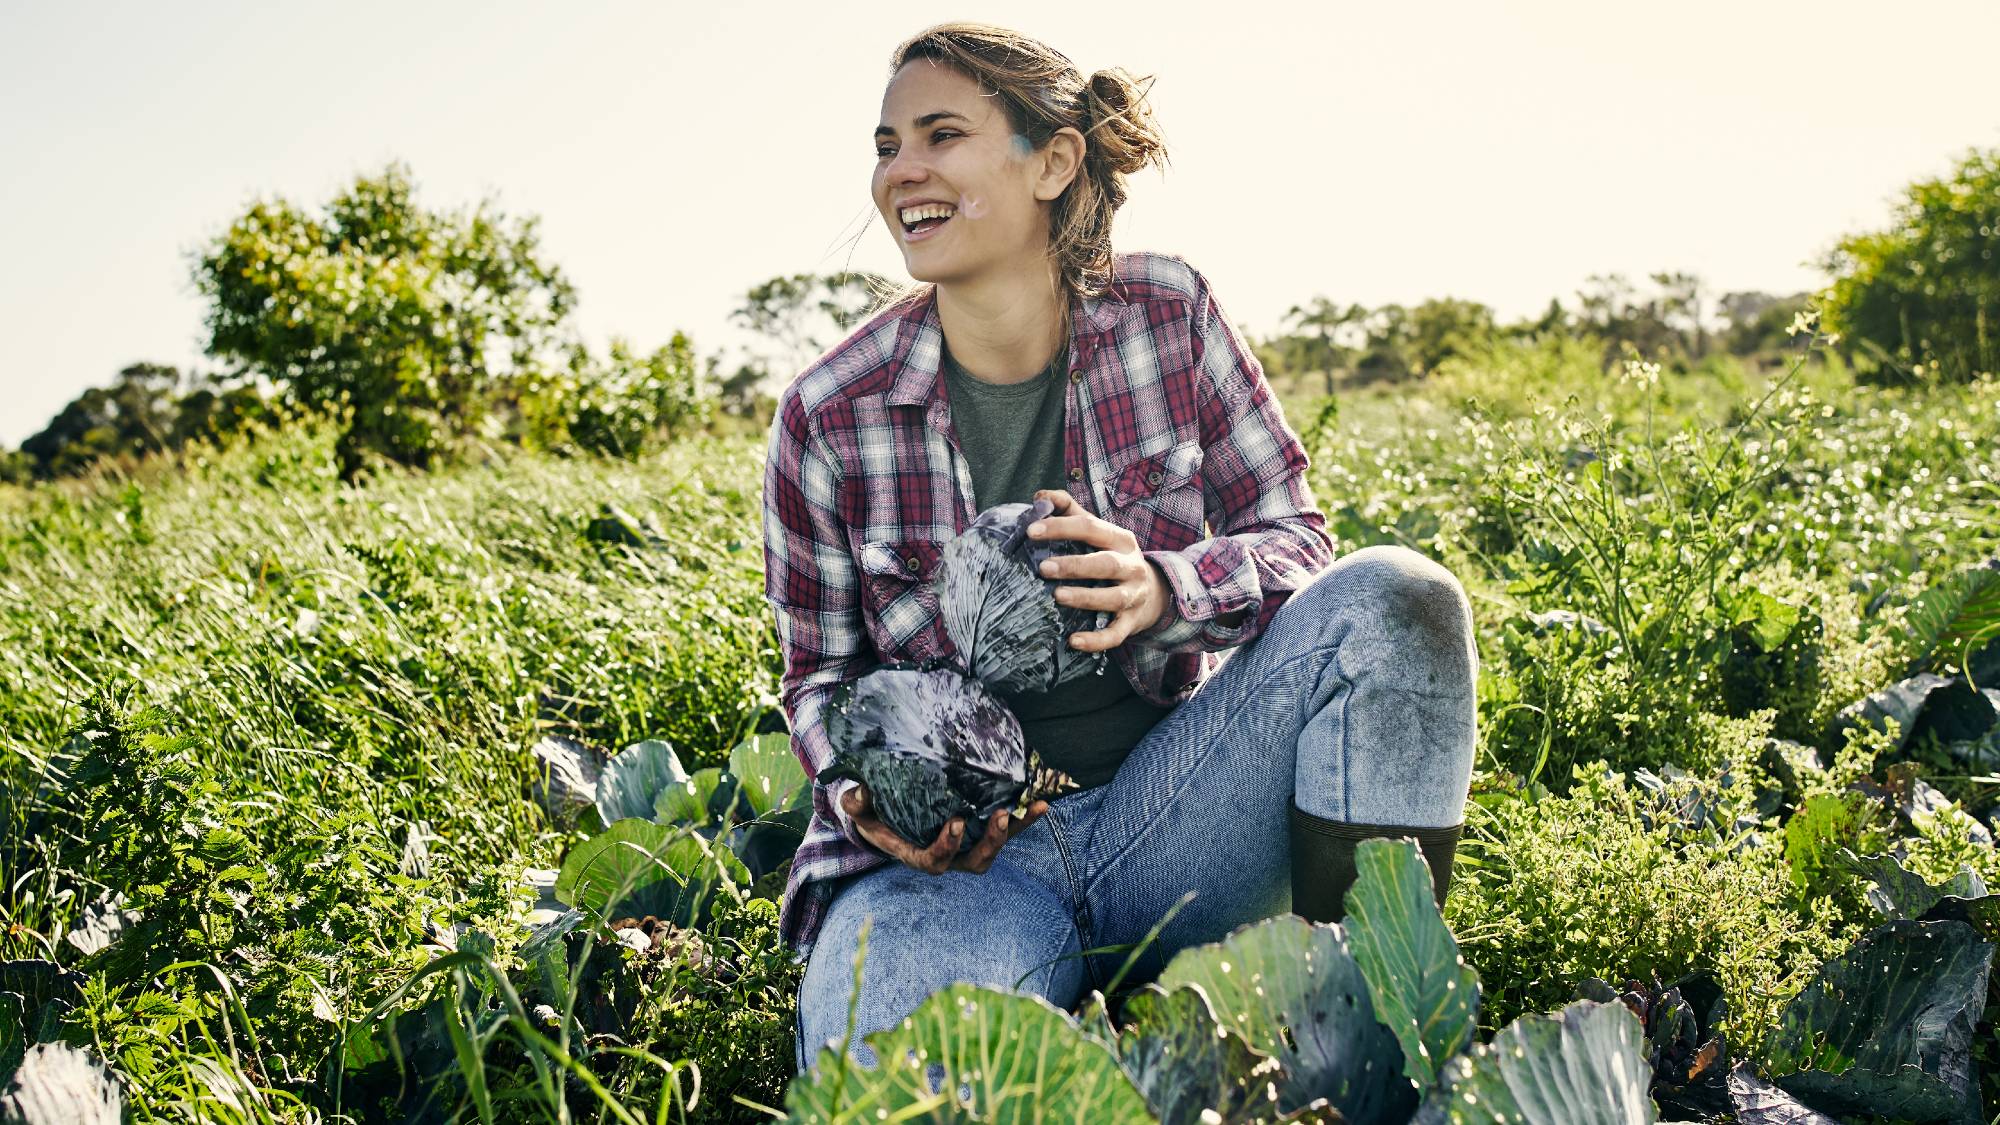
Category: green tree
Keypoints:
(1385, 348)
(1757, 321)
(134, 415)
(1443, 327)
(626, 399)
(16, 467)
(1553, 321)
(1923, 296)
(802, 315)
(406, 317)
(1681, 310)
(739, 392)
(1317, 345)
(150, 407)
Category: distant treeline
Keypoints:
(426, 330)
(1676, 322)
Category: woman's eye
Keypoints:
(941, 134)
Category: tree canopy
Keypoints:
(404, 315)
(1922, 297)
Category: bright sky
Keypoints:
(680, 153)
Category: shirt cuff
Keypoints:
(1189, 617)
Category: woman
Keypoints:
(1264, 707)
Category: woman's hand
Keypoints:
(1139, 594)
(942, 855)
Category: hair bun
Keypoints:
(1118, 121)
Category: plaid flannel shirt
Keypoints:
(1170, 425)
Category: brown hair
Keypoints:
(1041, 92)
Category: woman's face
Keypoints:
(944, 142)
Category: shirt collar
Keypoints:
(913, 369)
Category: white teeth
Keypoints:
(928, 211)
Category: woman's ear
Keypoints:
(1058, 163)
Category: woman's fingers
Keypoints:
(1112, 564)
(1059, 498)
(942, 855)
(1082, 527)
(1105, 639)
(937, 858)
(981, 856)
(934, 859)
(1035, 811)
(1110, 599)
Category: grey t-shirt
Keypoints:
(1012, 438)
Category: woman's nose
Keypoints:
(904, 169)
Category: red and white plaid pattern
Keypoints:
(1170, 425)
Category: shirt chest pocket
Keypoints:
(900, 598)
(1159, 498)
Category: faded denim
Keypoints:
(1358, 698)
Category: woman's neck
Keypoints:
(1006, 330)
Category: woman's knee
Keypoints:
(1402, 599)
(926, 932)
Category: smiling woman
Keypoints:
(1032, 363)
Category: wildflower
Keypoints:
(1803, 321)
(1641, 374)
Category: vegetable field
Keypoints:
(464, 794)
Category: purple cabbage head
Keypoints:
(1002, 615)
(930, 743)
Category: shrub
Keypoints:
(1922, 298)
(1592, 884)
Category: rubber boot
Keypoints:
(1323, 860)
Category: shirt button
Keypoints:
(911, 564)
(1076, 472)
(1076, 376)
(1154, 477)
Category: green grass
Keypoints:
(302, 675)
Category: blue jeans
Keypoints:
(1356, 701)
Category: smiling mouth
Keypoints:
(922, 228)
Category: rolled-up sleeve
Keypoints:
(811, 582)
(1269, 537)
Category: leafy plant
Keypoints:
(972, 1053)
(1577, 1067)
(1956, 623)
(1885, 1027)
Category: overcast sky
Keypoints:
(679, 154)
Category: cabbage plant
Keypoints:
(1374, 1020)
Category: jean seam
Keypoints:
(1346, 743)
(1080, 913)
(1112, 861)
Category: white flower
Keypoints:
(1641, 373)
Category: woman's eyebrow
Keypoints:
(926, 119)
